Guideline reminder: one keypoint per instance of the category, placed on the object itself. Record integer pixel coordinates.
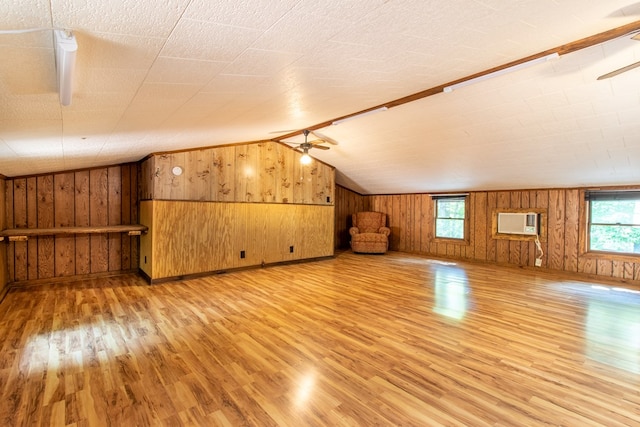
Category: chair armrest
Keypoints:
(354, 230)
(385, 230)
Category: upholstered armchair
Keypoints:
(369, 233)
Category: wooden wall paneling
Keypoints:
(147, 179)
(492, 200)
(125, 214)
(515, 246)
(168, 186)
(604, 267)
(628, 273)
(426, 219)
(401, 210)
(4, 260)
(114, 216)
(46, 262)
(161, 176)
(20, 221)
(617, 269)
(221, 243)
(525, 245)
(416, 238)
(571, 230)
(197, 175)
(556, 229)
(146, 240)
(257, 234)
(284, 174)
(98, 215)
(177, 183)
(9, 222)
(82, 219)
(176, 247)
(135, 241)
(267, 166)
(481, 234)
(246, 180)
(542, 202)
(587, 265)
(280, 220)
(224, 172)
(529, 249)
(244, 237)
(395, 222)
(503, 200)
(32, 222)
(64, 215)
(467, 251)
(316, 237)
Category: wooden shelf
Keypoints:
(18, 234)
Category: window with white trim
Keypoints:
(614, 221)
(450, 216)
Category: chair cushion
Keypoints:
(369, 222)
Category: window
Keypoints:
(450, 216)
(614, 221)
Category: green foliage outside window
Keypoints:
(615, 226)
(450, 218)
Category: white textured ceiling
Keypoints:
(158, 76)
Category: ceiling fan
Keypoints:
(307, 145)
(623, 69)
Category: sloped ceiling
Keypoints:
(161, 76)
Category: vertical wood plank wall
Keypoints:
(411, 222)
(347, 203)
(260, 172)
(4, 278)
(101, 196)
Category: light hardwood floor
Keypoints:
(357, 340)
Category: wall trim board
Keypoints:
(69, 279)
(230, 270)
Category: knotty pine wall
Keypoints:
(101, 196)
(410, 218)
(261, 172)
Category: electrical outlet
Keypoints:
(242, 254)
(538, 262)
(291, 249)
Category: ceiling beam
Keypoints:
(560, 50)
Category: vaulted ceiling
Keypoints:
(161, 76)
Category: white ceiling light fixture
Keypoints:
(305, 159)
(65, 49)
(520, 66)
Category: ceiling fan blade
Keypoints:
(619, 71)
(636, 36)
(324, 138)
(322, 147)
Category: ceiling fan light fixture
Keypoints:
(305, 159)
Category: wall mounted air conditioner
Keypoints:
(518, 223)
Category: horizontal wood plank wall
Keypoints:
(188, 237)
(412, 230)
(347, 203)
(101, 196)
(261, 172)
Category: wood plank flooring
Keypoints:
(359, 340)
